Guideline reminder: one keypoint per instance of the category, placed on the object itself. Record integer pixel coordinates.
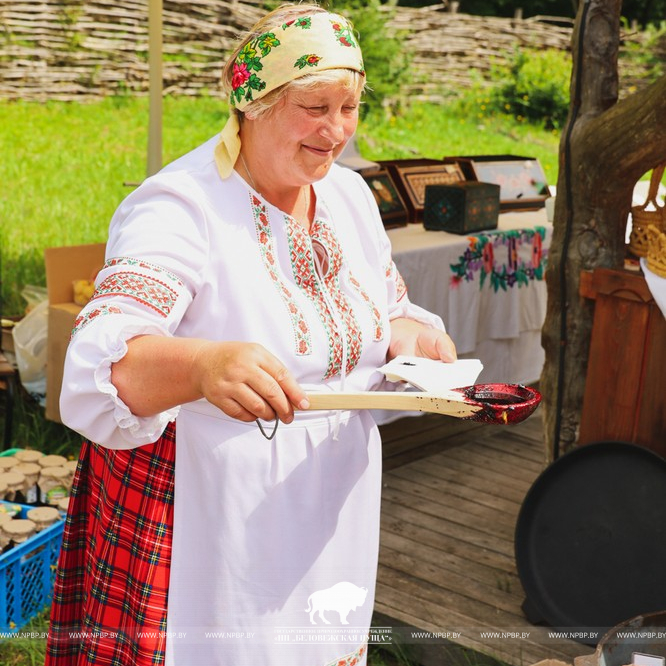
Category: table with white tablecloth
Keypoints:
(488, 287)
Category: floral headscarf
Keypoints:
(281, 54)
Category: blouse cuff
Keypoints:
(405, 308)
(139, 429)
(89, 402)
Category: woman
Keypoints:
(244, 274)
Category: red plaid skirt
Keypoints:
(112, 582)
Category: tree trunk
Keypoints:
(605, 149)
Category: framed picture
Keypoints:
(412, 176)
(391, 205)
(521, 179)
(416, 179)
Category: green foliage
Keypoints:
(645, 12)
(534, 88)
(647, 57)
(387, 63)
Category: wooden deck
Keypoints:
(451, 495)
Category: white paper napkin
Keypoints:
(432, 376)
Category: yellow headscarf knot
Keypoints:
(228, 148)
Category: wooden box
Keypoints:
(63, 266)
(461, 208)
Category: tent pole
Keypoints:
(155, 86)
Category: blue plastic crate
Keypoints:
(27, 575)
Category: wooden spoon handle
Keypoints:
(451, 405)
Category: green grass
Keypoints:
(437, 132)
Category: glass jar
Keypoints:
(15, 532)
(53, 484)
(43, 517)
(30, 490)
(14, 481)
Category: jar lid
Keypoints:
(52, 461)
(27, 468)
(12, 479)
(7, 462)
(28, 455)
(54, 473)
(18, 527)
(44, 514)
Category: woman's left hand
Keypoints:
(412, 338)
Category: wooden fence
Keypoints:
(77, 49)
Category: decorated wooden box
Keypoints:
(461, 208)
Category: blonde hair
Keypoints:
(349, 78)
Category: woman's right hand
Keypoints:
(247, 382)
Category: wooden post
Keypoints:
(154, 162)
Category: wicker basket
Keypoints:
(642, 219)
(656, 252)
